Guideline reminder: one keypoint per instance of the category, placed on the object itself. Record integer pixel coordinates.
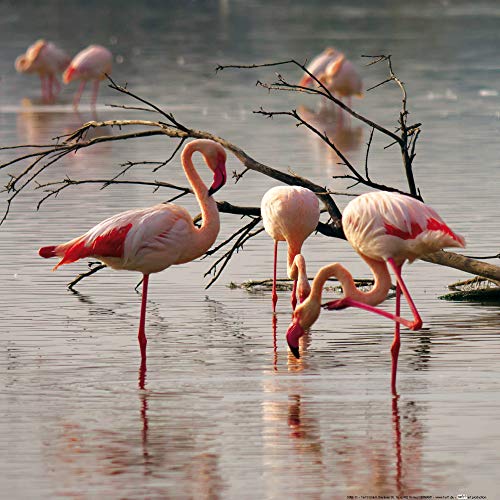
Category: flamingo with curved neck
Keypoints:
(385, 228)
(151, 239)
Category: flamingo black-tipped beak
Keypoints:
(295, 351)
(293, 334)
(219, 177)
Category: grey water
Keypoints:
(226, 411)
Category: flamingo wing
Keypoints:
(383, 224)
(149, 239)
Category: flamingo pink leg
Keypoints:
(293, 299)
(416, 324)
(417, 320)
(44, 88)
(396, 342)
(142, 323)
(56, 86)
(50, 87)
(79, 93)
(95, 91)
(275, 295)
(348, 302)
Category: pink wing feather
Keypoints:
(383, 224)
(146, 240)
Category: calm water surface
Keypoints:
(226, 412)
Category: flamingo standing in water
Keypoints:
(92, 63)
(336, 73)
(48, 60)
(291, 214)
(384, 228)
(318, 66)
(151, 239)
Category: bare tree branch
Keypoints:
(39, 161)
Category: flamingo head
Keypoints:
(22, 64)
(217, 163)
(293, 334)
(304, 316)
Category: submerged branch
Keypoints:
(457, 261)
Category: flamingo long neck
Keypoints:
(292, 267)
(298, 272)
(381, 285)
(309, 310)
(207, 233)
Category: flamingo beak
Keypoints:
(219, 177)
(293, 334)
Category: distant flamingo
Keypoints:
(151, 239)
(291, 214)
(318, 66)
(384, 228)
(48, 60)
(93, 63)
(336, 73)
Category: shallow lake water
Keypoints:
(226, 411)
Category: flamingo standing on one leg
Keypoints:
(151, 239)
(384, 228)
(291, 214)
(48, 60)
(92, 63)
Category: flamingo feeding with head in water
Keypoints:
(336, 73)
(385, 228)
(151, 239)
(92, 63)
(47, 60)
(291, 214)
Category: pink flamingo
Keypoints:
(291, 214)
(318, 65)
(384, 228)
(48, 60)
(151, 239)
(336, 73)
(92, 63)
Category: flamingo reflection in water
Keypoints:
(385, 228)
(346, 136)
(152, 239)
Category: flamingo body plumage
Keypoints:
(47, 60)
(91, 64)
(318, 66)
(383, 224)
(291, 214)
(149, 240)
(385, 228)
